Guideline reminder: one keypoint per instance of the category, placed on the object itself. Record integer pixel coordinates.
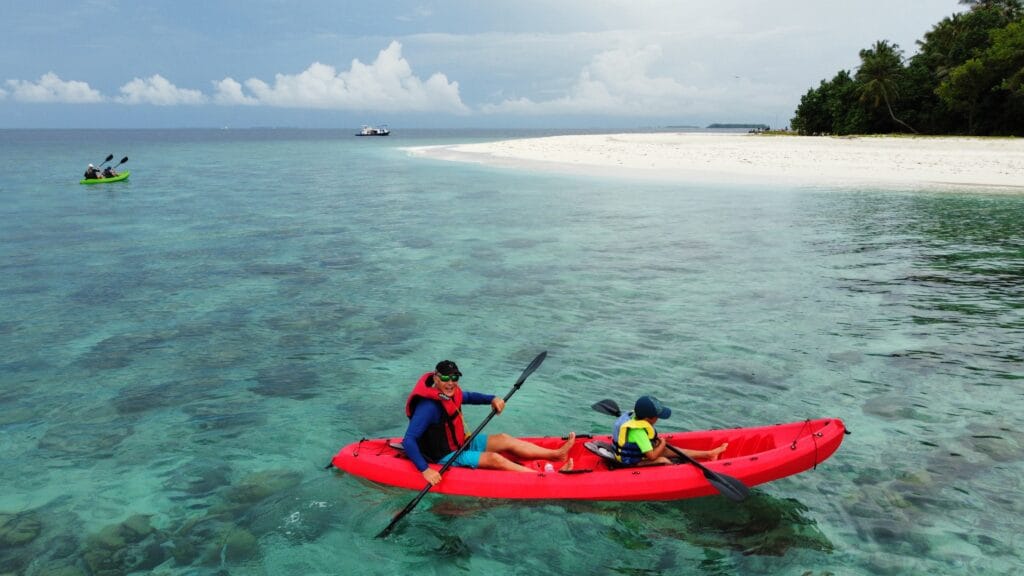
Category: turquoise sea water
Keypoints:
(182, 353)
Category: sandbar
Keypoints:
(899, 162)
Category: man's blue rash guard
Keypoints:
(427, 413)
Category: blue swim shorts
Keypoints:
(470, 457)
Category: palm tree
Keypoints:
(1009, 9)
(880, 69)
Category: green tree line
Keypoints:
(966, 78)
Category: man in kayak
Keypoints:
(637, 443)
(91, 173)
(436, 429)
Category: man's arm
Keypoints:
(650, 451)
(476, 397)
(423, 416)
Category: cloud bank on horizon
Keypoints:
(387, 84)
(617, 81)
(599, 59)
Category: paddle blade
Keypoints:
(727, 486)
(529, 369)
(109, 158)
(607, 406)
(387, 529)
(123, 160)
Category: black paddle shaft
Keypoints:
(412, 504)
(726, 485)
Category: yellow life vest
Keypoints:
(629, 452)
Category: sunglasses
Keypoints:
(444, 378)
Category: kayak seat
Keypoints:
(398, 448)
(606, 451)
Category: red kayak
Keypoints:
(754, 456)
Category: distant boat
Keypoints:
(381, 130)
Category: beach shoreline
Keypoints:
(890, 162)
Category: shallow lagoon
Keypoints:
(181, 353)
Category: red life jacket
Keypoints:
(446, 436)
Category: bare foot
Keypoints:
(563, 452)
(567, 466)
(714, 454)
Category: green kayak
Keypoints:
(118, 178)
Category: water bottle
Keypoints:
(548, 468)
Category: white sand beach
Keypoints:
(990, 164)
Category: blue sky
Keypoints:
(459, 63)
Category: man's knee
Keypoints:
(491, 460)
(498, 442)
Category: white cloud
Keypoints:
(418, 13)
(159, 91)
(614, 82)
(229, 93)
(50, 88)
(388, 84)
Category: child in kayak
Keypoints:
(636, 442)
(436, 429)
